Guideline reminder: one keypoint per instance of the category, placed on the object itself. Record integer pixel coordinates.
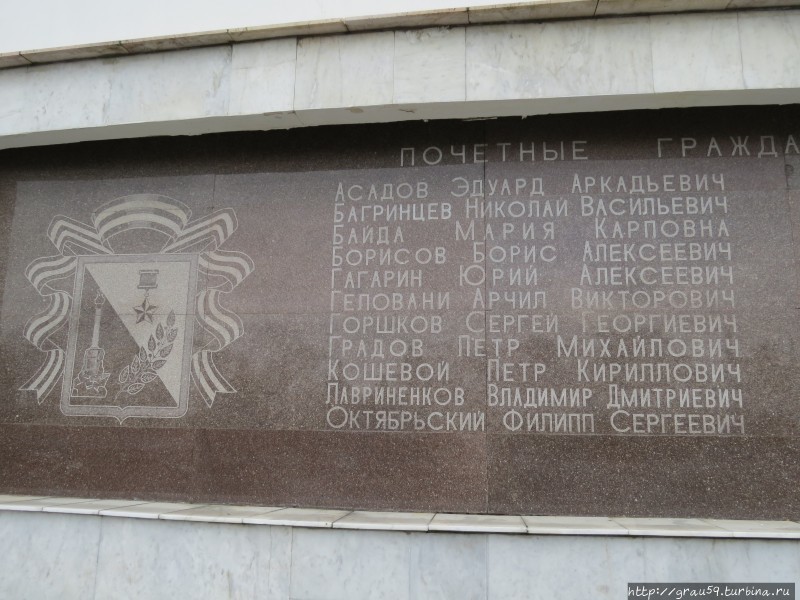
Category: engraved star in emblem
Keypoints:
(145, 311)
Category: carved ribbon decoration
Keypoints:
(225, 270)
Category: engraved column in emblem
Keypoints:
(91, 381)
(148, 280)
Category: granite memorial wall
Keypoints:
(586, 314)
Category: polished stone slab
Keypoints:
(533, 10)
(483, 523)
(322, 565)
(10, 498)
(435, 405)
(511, 68)
(13, 59)
(148, 510)
(688, 559)
(297, 517)
(182, 558)
(385, 521)
(48, 556)
(135, 456)
(217, 513)
(755, 529)
(39, 504)
(396, 521)
(512, 61)
(449, 565)
(574, 526)
(671, 527)
(91, 507)
(611, 7)
(344, 70)
(443, 51)
(80, 52)
(673, 39)
(258, 71)
(769, 58)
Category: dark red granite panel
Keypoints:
(727, 478)
(574, 314)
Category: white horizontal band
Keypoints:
(400, 521)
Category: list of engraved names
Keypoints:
(532, 288)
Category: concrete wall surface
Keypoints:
(84, 557)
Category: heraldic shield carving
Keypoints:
(139, 326)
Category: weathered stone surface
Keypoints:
(588, 314)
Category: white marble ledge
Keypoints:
(477, 524)
(673, 527)
(91, 507)
(218, 513)
(510, 12)
(5, 498)
(146, 510)
(299, 517)
(405, 521)
(574, 526)
(399, 521)
(37, 504)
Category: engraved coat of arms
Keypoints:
(140, 326)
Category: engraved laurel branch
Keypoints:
(147, 361)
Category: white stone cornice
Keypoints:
(644, 62)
